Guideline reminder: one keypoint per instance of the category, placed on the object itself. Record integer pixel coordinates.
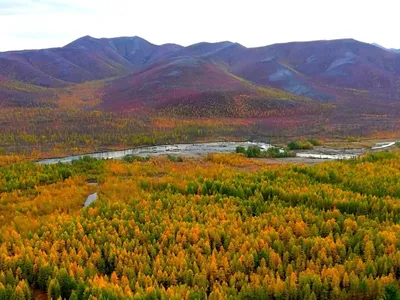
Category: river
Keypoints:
(90, 199)
(202, 149)
(192, 150)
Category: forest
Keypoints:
(53, 131)
(219, 227)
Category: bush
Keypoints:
(241, 149)
(132, 158)
(315, 142)
(256, 152)
(300, 145)
(397, 144)
(378, 156)
(278, 153)
(175, 158)
(253, 151)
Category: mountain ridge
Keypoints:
(138, 73)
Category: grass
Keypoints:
(270, 92)
(22, 87)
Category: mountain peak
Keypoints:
(81, 42)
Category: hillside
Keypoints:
(321, 70)
(303, 68)
(83, 60)
(192, 86)
(328, 88)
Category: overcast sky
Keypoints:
(32, 24)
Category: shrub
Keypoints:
(315, 142)
(256, 152)
(300, 145)
(231, 159)
(175, 158)
(278, 153)
(253, 151)
(241, 149)
(132, 158)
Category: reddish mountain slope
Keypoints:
(352, 76)
(313, 69)
(16, 68)
(188, 86)
(83, 60)
(169, 81)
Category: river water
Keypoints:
(383, 145)
(326, 156)
(90, 199)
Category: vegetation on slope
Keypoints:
(21, 86)
(269, 92)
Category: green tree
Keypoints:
(43, 276)
(54, 291)
(18, 294)
(67, 284)
(391, 292)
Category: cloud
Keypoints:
(8, 7)
(50, 23)
(31, 7)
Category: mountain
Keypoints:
(388, 49)
(307, 68)
(347, 73)
(132, 52)
(215, 79)
(191, 86)
(83, 60)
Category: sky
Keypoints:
(35, 24)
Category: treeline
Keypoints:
(73, 130)
(25, 176)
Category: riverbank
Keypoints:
(319, 154)
(188, 150)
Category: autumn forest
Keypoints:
(224, 227)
